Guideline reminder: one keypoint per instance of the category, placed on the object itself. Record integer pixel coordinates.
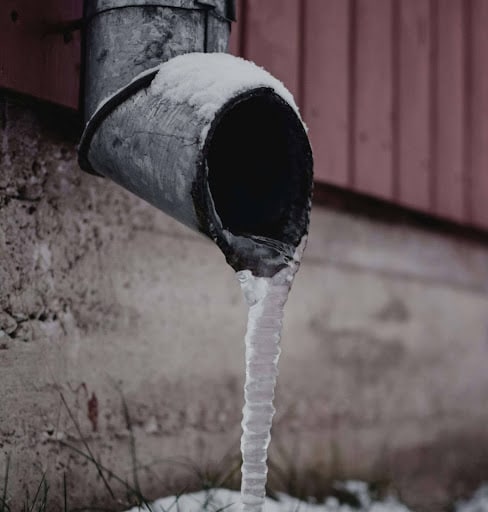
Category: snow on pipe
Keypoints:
(211, 139)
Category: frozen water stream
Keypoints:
(266, 297)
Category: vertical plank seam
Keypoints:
(395, 100)
(302, 49)
(241, 44)
(205, 31)
(3, 115)
(82, 86)
(433, 110)
(468, 47)
(352, 85)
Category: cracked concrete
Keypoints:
(117, 324)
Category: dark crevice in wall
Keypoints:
(55, 121)
(3, 112)
(16, 325)
(347, 201)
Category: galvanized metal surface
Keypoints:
(124, 38)
(223, 8)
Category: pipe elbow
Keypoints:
(216, 142)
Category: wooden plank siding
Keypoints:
(35, 57)
(372, 98)
(448, 93)
(477, 105)
(394, 92)
(272, 39)
(414, 79)
(325, 100)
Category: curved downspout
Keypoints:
(211, 139)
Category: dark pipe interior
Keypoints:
(259, 162)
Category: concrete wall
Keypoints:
(106, 301)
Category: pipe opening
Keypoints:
(260, 169)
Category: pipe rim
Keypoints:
(211, 223)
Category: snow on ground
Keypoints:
(220, 500)
(478, 503)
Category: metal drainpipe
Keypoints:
(212, 140)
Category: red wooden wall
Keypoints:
(395, 93)
(36, 57)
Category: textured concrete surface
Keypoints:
(120, 328)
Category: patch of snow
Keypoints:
(217, 500)
(478, 503)
(208, 80)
